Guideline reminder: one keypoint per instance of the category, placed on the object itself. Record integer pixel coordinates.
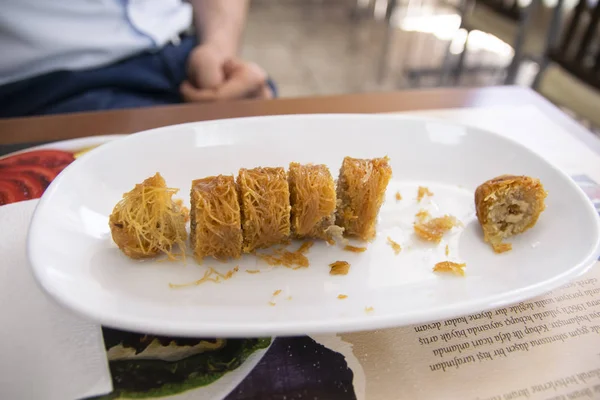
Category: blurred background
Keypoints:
(326, 47)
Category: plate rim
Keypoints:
(318, 326)
(71, 144)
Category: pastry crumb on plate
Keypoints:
(339, 268)
(449, 266)
(422, 192)
(355, 249)
(395, 246)
(433, 230)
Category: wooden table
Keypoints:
(25, 131)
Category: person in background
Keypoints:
(63, 56)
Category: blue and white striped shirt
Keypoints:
(40, 36)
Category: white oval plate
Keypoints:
(76, 262)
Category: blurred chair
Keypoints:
(507, 20)
(511, 22)
(569, 75)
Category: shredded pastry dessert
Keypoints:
(342, 296)
(339, 268)
(147, 222)
(434, 229)
(215, 218)
(361, 191)
(313, 200)
(265, 207)
(508, 205)
(449, 266)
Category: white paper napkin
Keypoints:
(46, 352)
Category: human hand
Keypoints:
(241, 79)
(205, 67)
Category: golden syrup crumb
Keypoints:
(447, 250)
(396, 246)
(288, 298)
(422, 215)
(423, 191)
(339, 268)
(210, 275)
(449, 266)
(272, 303)
(288, 259)
(230, 273)
(398, 196)
(433, 230)
(342, 296)
(355, 249)
(275, 293)
(502, 247)
(369, 309)
(253, 271)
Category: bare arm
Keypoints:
(214, 72)
(220, 23)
